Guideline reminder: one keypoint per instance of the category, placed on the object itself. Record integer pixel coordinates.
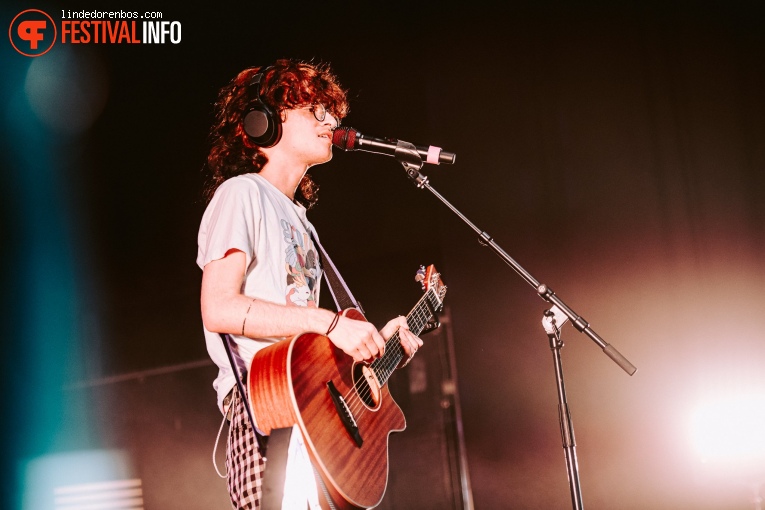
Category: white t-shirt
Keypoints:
(250, 214)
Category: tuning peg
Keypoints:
(420, 276)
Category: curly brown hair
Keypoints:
(286, 84)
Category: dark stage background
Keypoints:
(614, 149)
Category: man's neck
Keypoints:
(285, 176)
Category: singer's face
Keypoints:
(309, 139)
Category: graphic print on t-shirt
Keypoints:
(301, 266)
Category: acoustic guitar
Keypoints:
(343, 408)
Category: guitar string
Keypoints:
(394, 348)
(418, 317)
(420, 312)
(361, 390)
(356, 396)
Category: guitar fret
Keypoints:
(421, 313)
(417, 320)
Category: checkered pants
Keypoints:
(243, 459)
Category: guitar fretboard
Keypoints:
(417, 319)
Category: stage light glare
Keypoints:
(68, 92)
(300, 484)
(730, 430)
(86, 480)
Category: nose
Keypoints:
(331, 121)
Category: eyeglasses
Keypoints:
(320, 112)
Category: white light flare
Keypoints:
(730, 432)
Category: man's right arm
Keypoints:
(225, 309)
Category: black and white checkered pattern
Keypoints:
(243, 459)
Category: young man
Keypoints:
(261, 274)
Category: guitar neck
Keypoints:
(417, 319)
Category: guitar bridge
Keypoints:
(346, 417)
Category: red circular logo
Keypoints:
(32, 33)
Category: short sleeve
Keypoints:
(230, 221)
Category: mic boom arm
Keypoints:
(406, 157)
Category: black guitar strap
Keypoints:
(262, 441)
(341, 294)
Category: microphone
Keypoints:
(349, 139)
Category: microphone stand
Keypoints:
(407, 155)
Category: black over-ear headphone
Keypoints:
(261, 123)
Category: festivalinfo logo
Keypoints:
(34, 32)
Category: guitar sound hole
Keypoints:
(367, 386)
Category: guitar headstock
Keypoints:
(431, 280)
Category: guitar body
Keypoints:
(288, 385)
